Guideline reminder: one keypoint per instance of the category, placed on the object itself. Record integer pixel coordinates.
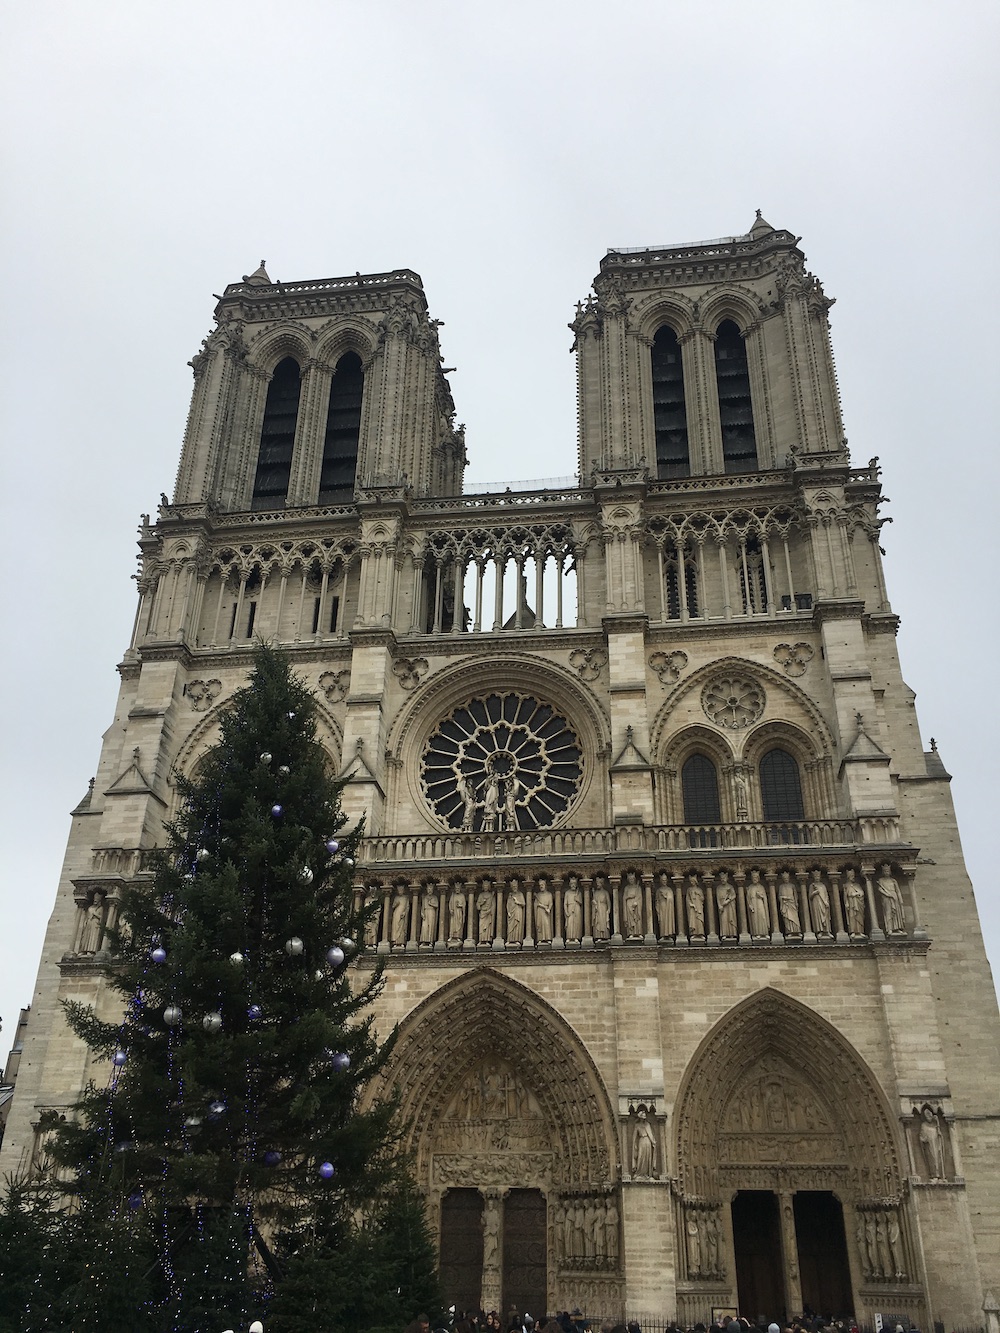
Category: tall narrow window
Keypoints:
(343, 431)
(739, 445)
(669, 412)
(277, 437)
(700, 787)
(780, 787)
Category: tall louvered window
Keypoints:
(669, 412)
(700, 787)
(343, 432)
(780, 787)
(277, 437)
(739, 444)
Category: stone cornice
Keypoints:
(373, 636)
(837, 608)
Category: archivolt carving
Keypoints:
(753, 1103)
(463, 1069)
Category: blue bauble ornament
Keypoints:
(272, 1158)
(255, 1013)
(216, 1110)
(327, 1170)
(119, 1058)
(277, 811)
(340, 1061)
(335, 955)
(159, 954)
(135, 1200)
(332, 846)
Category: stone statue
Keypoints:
(882, 1238)
(757, 908)
(374, 921)
(665, 916)
(892, 902)
(871, 1245)
(788, 904)
(725, 897)
(456, 913)
(859, 1231)
(632, 907)
(491, 1235)
(643, 1146)
(693, 1246)
(491, 804)
(515, 913)
(510, 804)
(93, 924)
(543, 912)
(579, 1220)
(468, 794)
(568, 1231)
(573, 909)
(896, 1246)
(611, 1239)
(593, 1231)
(931, 1144)
(486, 913)
(712, 1242)
(601, 906)
(819, 903)
(695, 898)
(742, 796)
(854, 904)
(398, 919)
(429, 917)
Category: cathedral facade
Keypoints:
(693, 1007)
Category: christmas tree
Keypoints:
(228, 1169)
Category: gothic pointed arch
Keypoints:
(774, 1090)
(495, 1087)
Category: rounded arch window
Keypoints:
(502, 763)
(780, 786)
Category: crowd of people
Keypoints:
(479, 1321)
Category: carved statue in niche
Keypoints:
(579, 1220)
(854, 904)
(931, 1142)
(695, 899)
(592, 1237)
(819, 903)
(93, 924)
(514, 789)
(693, 1245)
(643, 1146)
(712, 1243)
(468, 794)
(611, 1235)
(515, 913)
(400, 914)
(788, 904)
(757, 908)
(372, 924)
(871, 1245)
(429, 916)
(665, 915)
(456, 913)
(491, 1234)
(601, 905)
(567, 1229)
(486, 913)
(632, 907)
(861, 1235)
(725, 897)
(573, 909)
(895, 1244)
(892, 902)
(543, 912)
(882, 1241)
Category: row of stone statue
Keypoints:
(587, 1232)
(727, 905)
(702, 1243)
(880, 1245)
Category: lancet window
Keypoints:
(343, 432)
(780, 787)
(700, 789)
(669, 411)
(739, 445)
(277, 436)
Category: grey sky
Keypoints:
(153, 153)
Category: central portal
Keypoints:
(757, 1240)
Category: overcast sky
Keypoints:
(154, 152)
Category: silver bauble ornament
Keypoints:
(347, 944)
(212, 1022)
(335, 955)
(294, 946)
(284, 770)
(319, 975)
(172, 1015)
(305, 875)
(236, 958)
(203, 854)
(266, 757)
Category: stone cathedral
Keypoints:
(693, 1007)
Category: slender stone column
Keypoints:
(838, 910)
(770, 878)
(558, 935)
(740, 880)
(875, 932)
(586, 885)
(808, 934)
(647, 898)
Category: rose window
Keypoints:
(502, 763)
(732, 701)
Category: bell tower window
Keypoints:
(343, 432)
(277, 437)
(739, 444)
(669, 411)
